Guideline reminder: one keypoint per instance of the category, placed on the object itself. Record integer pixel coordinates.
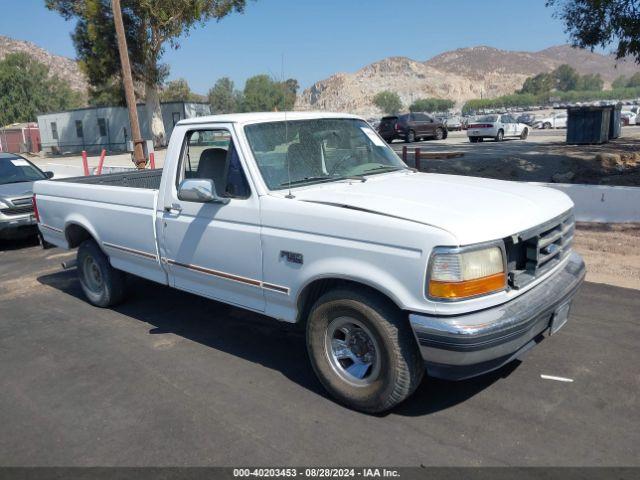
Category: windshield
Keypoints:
(486, 118)
(303, 152)
(16, 170)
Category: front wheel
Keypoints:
(411, 136)
(102, 284)
(439, 134)
(362, 349)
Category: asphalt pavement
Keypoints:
(169, 378)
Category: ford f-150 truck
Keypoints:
(312, 218)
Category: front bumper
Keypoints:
(17, 226)
(464, 346)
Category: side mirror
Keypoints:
(201, 190)
(48, 174)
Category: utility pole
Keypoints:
(127, 80)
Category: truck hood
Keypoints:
(15, 190)
(471, 209)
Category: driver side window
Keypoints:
(212, 154)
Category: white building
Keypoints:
(95, 128)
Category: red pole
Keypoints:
(152, 160)
(85, 165)
(404, 154)
(417, 153)
(101, 162)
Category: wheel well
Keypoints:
(76, 234)
(317, 288)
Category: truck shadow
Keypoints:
(256, 338)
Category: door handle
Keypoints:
(174, 208)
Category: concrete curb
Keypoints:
(601, 203)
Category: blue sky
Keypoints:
(319, 37)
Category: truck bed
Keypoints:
(148, 179)
(117, 209)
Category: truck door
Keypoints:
(213, 249)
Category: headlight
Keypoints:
(456, 273)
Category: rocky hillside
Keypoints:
(63, 67)
(458, 75)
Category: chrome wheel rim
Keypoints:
(352, 351)
(92, 275)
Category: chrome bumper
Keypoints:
(464, 346)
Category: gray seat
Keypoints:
(213, 164)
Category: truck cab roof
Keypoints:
(259, 117)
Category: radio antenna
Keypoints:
(286, 124)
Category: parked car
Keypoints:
(527, 119)
(628, 118)
(453, 123)
(17, 175)
(556, 120)
(411, 127)
(314, 219)
(497, 127)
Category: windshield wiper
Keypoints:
(323, 178)
(382, 169)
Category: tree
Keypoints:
(634, 81)
(541, 83)
(261, 93)
(388, 102)
(566, 78)
(431, 105)
(599, 23)
(150, 26)
(620, 82)
(223, 98)
(26, 89)
(179, 91)
(590, 82)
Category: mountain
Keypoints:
(458, 75)
(63, 67)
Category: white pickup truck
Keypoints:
(312, 218)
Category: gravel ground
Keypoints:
(611, 252)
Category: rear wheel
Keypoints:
(411, 136)
(524, 134)
(546, 126)
(500, 136)
(362, 349)
(102, 284)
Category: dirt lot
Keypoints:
(611, 252)
(543, 157)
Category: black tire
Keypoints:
(524, 134)
(473, 139)
(43, 243)
(439, 134)
(411, 136)
(480, 139)
(500, 136)
(398, 368)
(103, 285)
(546, 126)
